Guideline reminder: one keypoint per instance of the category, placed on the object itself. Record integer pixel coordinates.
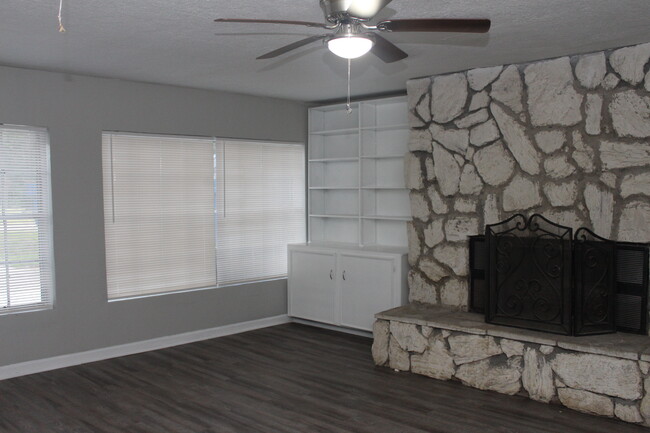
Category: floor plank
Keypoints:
(286, 379)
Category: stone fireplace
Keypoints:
(566, 138)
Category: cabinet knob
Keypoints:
(343, 275)
(331, 274)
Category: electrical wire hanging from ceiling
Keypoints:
(61, 28)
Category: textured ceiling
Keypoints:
(177, 42)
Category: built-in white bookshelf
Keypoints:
(356, 173)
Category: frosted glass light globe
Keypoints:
(350, 47)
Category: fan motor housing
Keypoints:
(336, 10)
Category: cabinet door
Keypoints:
(312, 285)
(366, 289)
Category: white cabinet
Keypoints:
(314, 272)
(345, 286)
(366, 288)
(357, 193)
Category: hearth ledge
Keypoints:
(604, 375)
(627, 346)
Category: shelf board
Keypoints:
(357, 247)
(385, 217)
(384, 187)
(385, 127)
(346, 159)
(395, 156)
(343, 131)
(316, 188)
(334, 216)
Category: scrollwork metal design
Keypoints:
(528, 284)
(595, 296)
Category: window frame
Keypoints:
(220, 141)
(49, 263)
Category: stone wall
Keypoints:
(568, 138)
(612, 383)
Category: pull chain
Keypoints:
(61, 28)
(348, 107)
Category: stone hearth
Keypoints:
(604, 375)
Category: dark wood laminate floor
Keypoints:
(289, 378)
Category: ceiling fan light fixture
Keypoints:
(350, 47)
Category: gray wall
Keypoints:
(76, 109)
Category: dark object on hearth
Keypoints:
(594, 261)
(627, 277)
(478, 258)
(632, 287)
(530, 274)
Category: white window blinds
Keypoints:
(260, 208)
(26, 264)
(184, 213)
(159, 213)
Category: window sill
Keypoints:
(199, 289)
(26, 309)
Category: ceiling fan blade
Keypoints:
(295, 23)
(293, 46)
(366, 9)
(386, 50)
(436, 25)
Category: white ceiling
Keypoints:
(176, 41)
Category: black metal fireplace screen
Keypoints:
(534, 274)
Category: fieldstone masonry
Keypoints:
(568, 138)
(604, 375)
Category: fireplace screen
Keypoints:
(530, 274)
(595, 283)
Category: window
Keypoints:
(184, 213)
(26, 264)
(158, 213)
(260, 208)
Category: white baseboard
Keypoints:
(40, 365)
(343, 329)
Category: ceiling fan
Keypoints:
(353, 37)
